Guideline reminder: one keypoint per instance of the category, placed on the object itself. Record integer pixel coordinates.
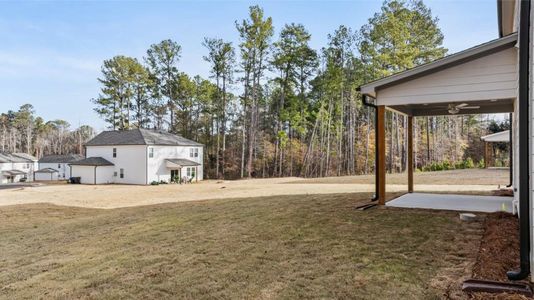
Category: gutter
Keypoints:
(499, 16)
(524, 140)
(377, 178)
(511, 154)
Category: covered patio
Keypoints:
(466, 203)
(479, 80)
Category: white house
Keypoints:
(139, 156)
(16, 167)
(55, 167)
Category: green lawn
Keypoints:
(276, 247)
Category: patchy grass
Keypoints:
(315, 246)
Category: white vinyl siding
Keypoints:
(157, 169)
(62, 168)
(490, 77)
(131, 158)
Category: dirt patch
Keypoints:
(499, 248)
(498, 252)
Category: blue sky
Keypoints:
(51, 52)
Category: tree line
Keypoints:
(23, 131)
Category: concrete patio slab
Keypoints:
(453, 202)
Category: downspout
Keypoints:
(511, 154)
(524, 140)
(95, 176)
(377, 177)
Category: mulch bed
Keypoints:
(498, 252)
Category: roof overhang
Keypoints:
(370, 89)
(47, 170)
(506, 16)
(503, 136)
(180, 163)
(13, 172)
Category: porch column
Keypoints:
(486, 155)
(410, 154)
(381, 159)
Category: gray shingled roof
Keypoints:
(139, 137)
(65, 158)
(25, 156)
(47, 170)
(182, 162)
(92, 161)
(16, 158)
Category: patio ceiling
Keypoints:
(440, 109)
(483, 76)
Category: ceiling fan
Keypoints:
(456, 108)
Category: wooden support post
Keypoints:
(381, 159)
(410, 154)
(486, 156)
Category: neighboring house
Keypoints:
(494, 77)
(46, 174)
(139, 156)
(60, 163)
(16, 167)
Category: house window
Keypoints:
(114, 152)
(115, 174)
(151, 152)
(193, 152)
(191, 172)
(122, 173)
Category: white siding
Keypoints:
(46, 176)
(5, 167)
(104, 174)
(131, 158)
(157, 169)
(86, 173)
(490, 77)
(62, 168)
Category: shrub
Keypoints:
(154, 183)
(468, 163)
(163, 182)
(481, 164)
